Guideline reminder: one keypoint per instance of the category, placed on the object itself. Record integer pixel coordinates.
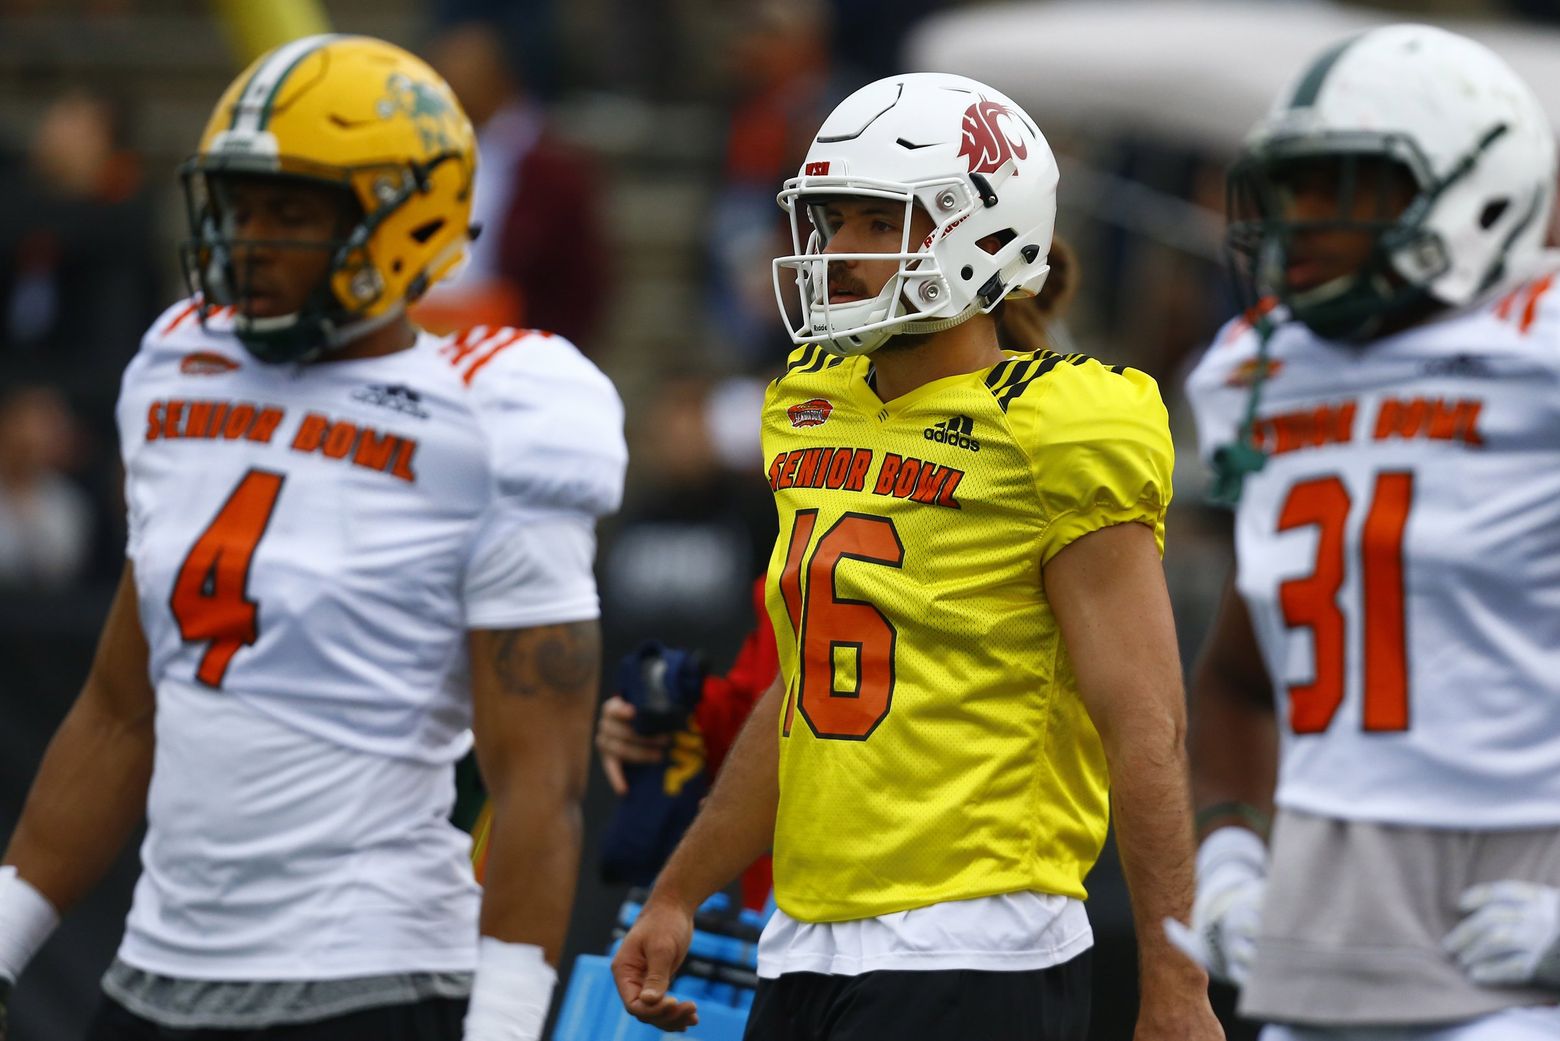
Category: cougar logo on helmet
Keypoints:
(986, 144)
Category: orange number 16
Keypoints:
(210, 597)
(826, 623)
(1312, 602)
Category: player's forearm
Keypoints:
(1234, 742)
(88, 797)
(532, 865)
(533, 697)
(1153, 822)
(1234, 753)
(737, 822)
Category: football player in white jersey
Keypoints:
(1385, 668)
(351, 543)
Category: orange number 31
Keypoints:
(826, 623)
(210, 596)
(1312, 602)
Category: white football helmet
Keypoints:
(966, 155)
(1474, 139)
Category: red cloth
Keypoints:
(726, 704)
(551, 244)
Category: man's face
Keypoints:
(1323, 190)
(284, 232)
(860, 225)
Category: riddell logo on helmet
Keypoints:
(816, 170)
(206, 363)
(810, 413)
(955, 431)
(987, 145)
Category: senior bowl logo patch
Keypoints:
(1249, 371)
(206, 363)
(810, 413)
(987, 143)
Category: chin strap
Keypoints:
(1234, 462)
(341, 335)
(261, 334)
(937, 325)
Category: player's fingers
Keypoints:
(642, 749)
(1508, 891)
(666, 1014)
(1463, 936)
(1239, 959)
(1482, 940)
(1507, 969)
(628, 970)
(617, 710)
(613, 723)
(662, 957)
(612, 766)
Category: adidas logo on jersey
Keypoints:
(1461, 366)
(954, 431)
(395, 396)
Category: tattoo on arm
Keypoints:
(549, 660)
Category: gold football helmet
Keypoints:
(356, 113)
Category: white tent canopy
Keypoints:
(1198, 72)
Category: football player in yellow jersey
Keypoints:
(977, 653)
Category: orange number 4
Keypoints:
(210, 596)
(1312, 602)
(826, 623)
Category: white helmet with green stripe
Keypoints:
(1402, 98)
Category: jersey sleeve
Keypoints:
(529, 568)
(554, 425)
(1101, 453)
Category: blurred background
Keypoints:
(630, 153)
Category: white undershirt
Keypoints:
(1010, 932)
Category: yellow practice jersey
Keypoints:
(933, 744)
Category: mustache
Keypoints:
(844, 283)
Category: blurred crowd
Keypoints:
(89, 213)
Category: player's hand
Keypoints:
(1511, 935)
(647, 960)
(1231, 878)
(619, 743)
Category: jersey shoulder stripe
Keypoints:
(471, 351)
(191, 315)
(1010, 379)
(808, 358)
(1524, 307)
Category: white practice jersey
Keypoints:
(1400, 556)
(311, 544)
